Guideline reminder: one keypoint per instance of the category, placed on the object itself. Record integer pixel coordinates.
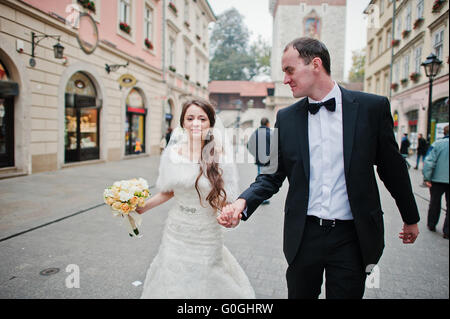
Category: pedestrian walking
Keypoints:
(422, 149)
(168, 134)
(435, 174)
(261, 152)
(404, 148)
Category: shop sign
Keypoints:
(127, 80)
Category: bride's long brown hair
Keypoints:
(217, 196)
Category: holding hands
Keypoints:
(232, 213)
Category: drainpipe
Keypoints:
(163, 126)
(392, 49)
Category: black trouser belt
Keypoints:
(328, 222)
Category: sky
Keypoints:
(259, 21)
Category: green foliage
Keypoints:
(356, 73)
(232, 58)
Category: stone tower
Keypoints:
(323, 19)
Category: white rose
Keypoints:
(108, 193)
(125, 196)
(143, 183)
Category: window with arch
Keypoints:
(8, 89)
(135, 123)
(82, 118)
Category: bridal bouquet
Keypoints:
(124, 197)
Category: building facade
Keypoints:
(187, 54)
(324, 20)
(114, 91)
(241, 104)
(399, 46)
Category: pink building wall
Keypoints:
(108, 26)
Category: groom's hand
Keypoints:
(225, 216)
(232, 213)
(238, 207)
(409, 234)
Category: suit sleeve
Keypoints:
(392, 169)
(265, 185)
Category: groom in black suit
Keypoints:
(328, 145)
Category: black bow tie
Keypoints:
(330, 105)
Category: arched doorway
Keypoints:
(8, 90)
(82, 119)
(135, 123)
(169, 109)
(413, 117)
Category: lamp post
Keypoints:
(238, 122)
(431, 65)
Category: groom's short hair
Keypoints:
(310, 48)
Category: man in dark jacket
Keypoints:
(404, 146)
(261, 152)
(328, 144)
(422, 149)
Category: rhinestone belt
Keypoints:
(190, 210)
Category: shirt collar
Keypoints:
(334, 93)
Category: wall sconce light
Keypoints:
(58, 49)
(115, 67)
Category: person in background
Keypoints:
(162, 144)
(422, 149)
(168, 134)
(435, 175)
(256, 150)
(404, 146)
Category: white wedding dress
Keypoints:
(192, 261)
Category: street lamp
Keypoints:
(58, 49)
(431, 65)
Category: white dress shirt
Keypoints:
(328, 197)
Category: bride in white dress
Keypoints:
(192, 261)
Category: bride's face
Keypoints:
(196, 122)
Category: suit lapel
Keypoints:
(303, 140)
(349, 115)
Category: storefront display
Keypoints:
(439, 118)
(135, 124)
(82, 120)
(8, 90)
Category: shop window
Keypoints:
(82, 110)
(135, 123)
(8, 89)
(439, 117)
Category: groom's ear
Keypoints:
(317, 64)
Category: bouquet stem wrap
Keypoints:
(134, 220)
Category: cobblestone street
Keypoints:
(77, 229)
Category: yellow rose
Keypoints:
(125, 208)
(116, 205)
(109, 201)
(134, 200)
(141, 202)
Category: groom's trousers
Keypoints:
(333, 249)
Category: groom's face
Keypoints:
(297, 74)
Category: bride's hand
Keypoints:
(141, 210)
(225, 216)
